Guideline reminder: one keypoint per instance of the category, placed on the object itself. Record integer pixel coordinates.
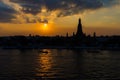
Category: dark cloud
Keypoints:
(108, 3)
(6, 13)
(66, 7)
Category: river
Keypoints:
(59, 64)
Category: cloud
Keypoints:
(32, 11)
(6, 13)
(108, 3)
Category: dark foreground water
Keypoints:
(59, 63)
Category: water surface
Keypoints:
(59, 63)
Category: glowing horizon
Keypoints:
(45, 20)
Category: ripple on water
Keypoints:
(59, 63)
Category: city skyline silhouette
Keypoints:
(79, 40)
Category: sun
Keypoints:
(45, 24)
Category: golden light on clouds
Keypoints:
(44, 9)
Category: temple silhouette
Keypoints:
(79, 32)
(78, 40)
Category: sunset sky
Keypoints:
(57, 17)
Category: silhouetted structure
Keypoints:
(94, 34)
(79, 32)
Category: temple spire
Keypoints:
(79, 20)
(79, 32)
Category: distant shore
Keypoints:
(81, 43)
(64, 47)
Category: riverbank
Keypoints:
(64, 47)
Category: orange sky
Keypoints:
(104, 21)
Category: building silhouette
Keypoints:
(79, 32)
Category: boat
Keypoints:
(41, 51)
(93, 51)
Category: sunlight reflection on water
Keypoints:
(59, 63)
(45, 64)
